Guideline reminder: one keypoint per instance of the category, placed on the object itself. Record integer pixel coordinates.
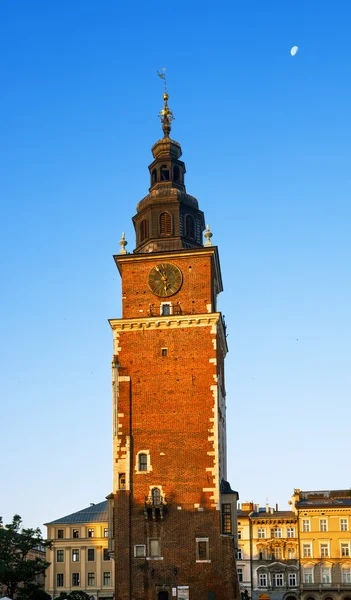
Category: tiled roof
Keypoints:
(93, 514)
(334, 502)
(277, 514)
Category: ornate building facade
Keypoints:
(174, 511)
(79, 555)
(267, 555)
(324, 518)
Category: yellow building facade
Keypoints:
(79, 556)
(324, 520)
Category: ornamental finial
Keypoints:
(208, 234)
(165, 114)
(123, 243)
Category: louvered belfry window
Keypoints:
(165, 224)
(144, 230)
(189, 227)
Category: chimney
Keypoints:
(267, 508)
(276, 507)
(92, 503)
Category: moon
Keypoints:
(294, 50)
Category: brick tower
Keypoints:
(174, 512)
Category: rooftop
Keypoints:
(95, 513)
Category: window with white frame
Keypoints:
(308, 575)
(75, 555)
(291, 553)
(277, 579)
(346, 575)
(276, 532)
(307, 549)
(202, 549)
(325, 572)
(344, 525)
(345, 549)
(262, 579)
(105, 531)
(140, 551)
(240, 574)
(277, 553)
(239, 554)
(166, 308)
(154, 548)
(261, 532)
(323, 525)
(290, 532)
(143, 461)
(107, 578)
(324, 549)
(91, 578)
(292, 579)
(305, 525)
(91, 532)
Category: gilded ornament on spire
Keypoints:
(165, 114)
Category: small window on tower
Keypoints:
(227, 518)
(166, 309)
(164, 351)
(121, 481)
(142, 462)
(164, 173)
(156, 496)
(202, 549)
(165, 224)
(153, 177)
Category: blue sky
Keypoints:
(266, 141)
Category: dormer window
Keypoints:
(189, 226)
(144, 230)
(164, 173)
(165, 224)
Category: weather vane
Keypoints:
(165, 114)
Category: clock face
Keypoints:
(165, 280)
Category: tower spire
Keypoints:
(166, 115)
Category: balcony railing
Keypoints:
(154, 507)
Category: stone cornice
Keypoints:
(172, 322)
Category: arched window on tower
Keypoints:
(142, 462)
(156, 496)
(189, 226)
(176, 174)
(164, 173)
(153, 176)
(165, 224)
(144, 230)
